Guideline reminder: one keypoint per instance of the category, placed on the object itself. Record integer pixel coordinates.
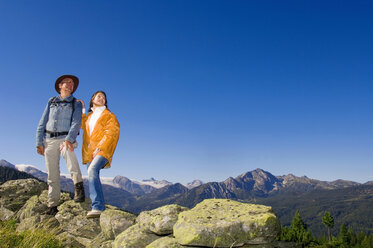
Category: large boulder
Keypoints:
(115, 221)
(160, 220)
(15, 193)
(226, 223)
(134, 237)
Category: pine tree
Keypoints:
(343, 235)
(297, 232)
(328, 221)
(367, 242)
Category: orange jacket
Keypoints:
(105, 136)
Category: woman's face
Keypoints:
(99, 100)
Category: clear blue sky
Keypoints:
(202, 89)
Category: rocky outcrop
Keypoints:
(212, 223)
(226, 223)
(15, 193)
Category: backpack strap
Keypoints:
(54, 100)
(72, 113)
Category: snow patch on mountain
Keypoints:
(25, 167)
(154, 183)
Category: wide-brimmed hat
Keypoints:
(59, 80)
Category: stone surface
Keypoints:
(226, 223)
(31, 215)
(115, 221)
(73, 220)
(15, 193)
(69, 241)
(165, 242)
(160, 220)
(45, 222)
(134, 237)
(5, 214)
(37, 205)
(100, 241)
(212, 223)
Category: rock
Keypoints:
(107, 244)
(69, 241)
(226, 223)
(100, 241)
(84, 241)
(15, 193)
(134, 237)
(31, 215)
(37, 205)
(212, 223)
(115, 221)
(73, 220)
(165, 242)
(5, 214)
(160, 220)
(45, 222)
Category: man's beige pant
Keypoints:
(52, 162)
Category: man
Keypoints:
(56, 135)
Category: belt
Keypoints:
(56, 134)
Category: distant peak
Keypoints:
(152, 179)
(254, 173)
(194, 184)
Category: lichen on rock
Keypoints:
(72, 218)
(226, 223)
(115, 221)
(15, 193)
(165, 242)
(160, 220)
(134, 237)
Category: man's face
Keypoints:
(67, 85)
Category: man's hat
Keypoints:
(59, 80)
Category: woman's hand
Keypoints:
(81, 101)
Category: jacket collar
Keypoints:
(69, 98)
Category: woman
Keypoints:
(100, 137)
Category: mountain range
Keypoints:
(121, 184)
(285, 194)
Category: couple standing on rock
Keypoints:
(56, 135)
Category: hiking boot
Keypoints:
(51, 211)
(79, 192)
(94, 213)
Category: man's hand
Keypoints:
(40, 150)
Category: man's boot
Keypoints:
(79, 192)
(51, 211)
